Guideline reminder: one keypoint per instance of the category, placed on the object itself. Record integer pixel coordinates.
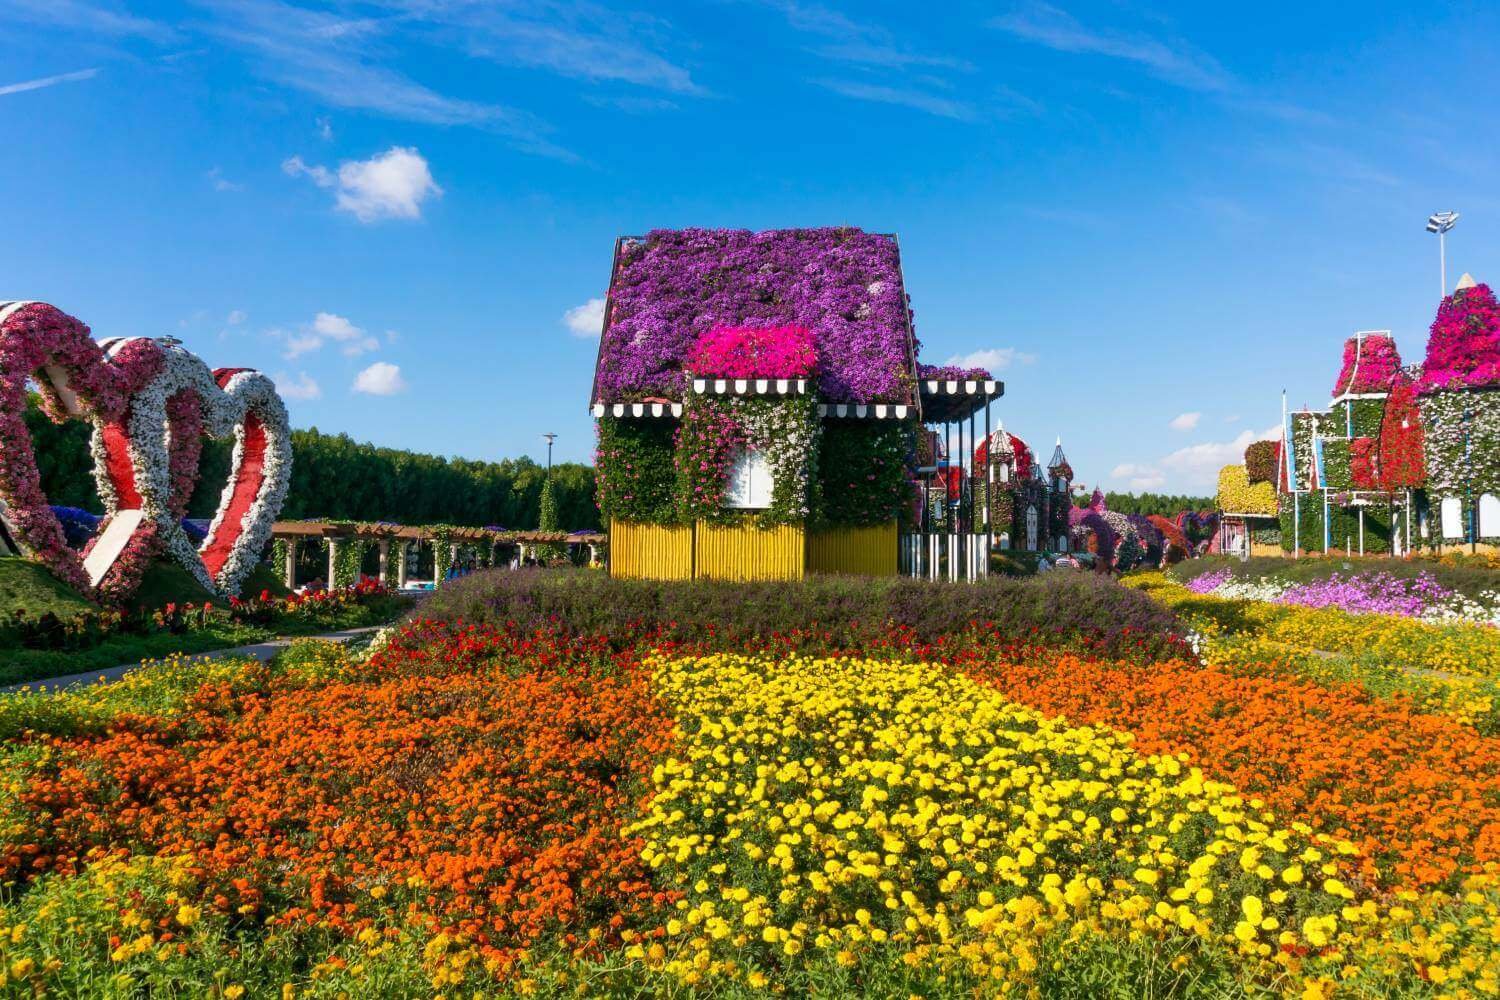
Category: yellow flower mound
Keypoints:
(1237, 495)
(839, 809)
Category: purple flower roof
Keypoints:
(843, 284)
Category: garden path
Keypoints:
(260, 651)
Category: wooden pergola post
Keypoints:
(289, 565)
(401, 564)
(385, 561)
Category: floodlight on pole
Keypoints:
(1440, 223)
(549, 438)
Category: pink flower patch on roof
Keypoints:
(1463, 348)
(1371, 364)
(754, 352)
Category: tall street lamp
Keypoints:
(549, 438)
(1440, 223)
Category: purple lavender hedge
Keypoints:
(843, 284)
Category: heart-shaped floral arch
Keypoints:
(150, 403)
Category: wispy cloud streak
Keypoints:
(48, 81)
(1175, 61)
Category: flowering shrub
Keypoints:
(1370, 364)
(675, 285)
(1463, 347)
(754, 352)
(1260, 461)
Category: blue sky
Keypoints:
(1137, 214)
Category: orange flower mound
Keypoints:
(1419, 793)
(482, 778)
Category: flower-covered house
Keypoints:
(758, 399)
(1403, 457)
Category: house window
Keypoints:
(750, 481)
(1489, 516)
(1453, 518)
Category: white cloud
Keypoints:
(389, 185)
(908, 97)
(48, 81)
(996, 359)
(335, 327)
(1138, 477)
(304, 386)
(325, 328)
(380, 379)
(586, 320)
(298, 344)
(293, 166)
(325, 129)
(236, 317)
(1185, 421)
(222, 183)
(1195, 467)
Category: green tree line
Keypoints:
(1164, 504)
(334, 476)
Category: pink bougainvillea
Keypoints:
(1370, 364)
(754, 352)
(1463, 348)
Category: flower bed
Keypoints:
(478, 810)
(1407, 595)
(1446, 668)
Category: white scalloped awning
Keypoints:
(638, 409)
(866, 411)
(750, 386)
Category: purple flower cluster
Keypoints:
(675, 285)
(1375, 593)
(953, 373)
(1206, 583)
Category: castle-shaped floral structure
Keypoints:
(1403, 457)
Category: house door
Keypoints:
(1031, 527)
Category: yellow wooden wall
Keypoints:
(650, 551)
(866, 551)
(741, 552)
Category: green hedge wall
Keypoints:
(336, 477)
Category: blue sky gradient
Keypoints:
(1135, 214)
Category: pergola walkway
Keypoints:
(393, 573)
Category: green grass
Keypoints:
(17, 666)
(29, 586)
